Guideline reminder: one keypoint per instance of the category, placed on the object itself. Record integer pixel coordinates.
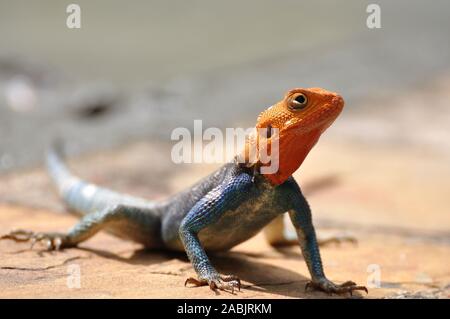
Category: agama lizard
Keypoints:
(220, 211)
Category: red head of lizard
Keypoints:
(294, 124)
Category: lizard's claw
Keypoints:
(53, 241)
(229, 282)
(18, 235)
(330, 287)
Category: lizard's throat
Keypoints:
(293, 150)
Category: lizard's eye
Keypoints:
(299, 102)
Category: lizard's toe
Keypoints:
(226, 283)
(53, 241)
(196, 282)
(329, 287)
(19, 235)
(233, 280)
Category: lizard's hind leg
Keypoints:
(278, 235)
(124, 221)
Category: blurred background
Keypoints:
(116, 88)
(149, 67)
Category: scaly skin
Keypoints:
(224, 209)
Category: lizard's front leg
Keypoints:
(207, 275)
(205, 212)
(300, 214)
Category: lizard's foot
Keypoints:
(229, 282)
(337, 239)
(330, 287)
(53, 241)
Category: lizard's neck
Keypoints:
(293, 150)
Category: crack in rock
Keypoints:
(42, 268)
(168, 273)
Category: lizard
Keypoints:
(222, 210)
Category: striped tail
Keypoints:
(83, 197)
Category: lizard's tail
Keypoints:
(65, 182)
(80, 196)
(57, 169)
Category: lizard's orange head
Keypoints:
(295, 124)
(302, 111)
